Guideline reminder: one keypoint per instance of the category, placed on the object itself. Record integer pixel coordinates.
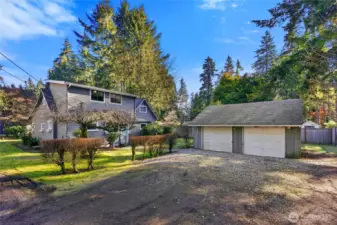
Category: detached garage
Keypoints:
(259, 128)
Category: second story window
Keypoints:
(115, 98)
(143, 109)
(97, 96)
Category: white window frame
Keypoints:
(114, 102)
(50, 125)
(96, 100)
(96, 129)
(140, 108)
(42, 127)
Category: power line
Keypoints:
(18, 66)
(1, 68)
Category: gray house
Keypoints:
(62, 96)
(261, 128)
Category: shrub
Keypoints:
(59, 146)
(77, 132)
(148, 141)
(156, 129)
(30, 141)
(74, 146)
(15, 131)
(112, 137)
(168, 130)
(330, 124)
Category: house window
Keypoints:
(97, 96)
(42, 127)
(143, 109)
(94, 126)
(115, 98)
(142, 125)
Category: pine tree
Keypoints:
(238, 68)
(182, 106)
(65, 66)
(229, 67)
(97, 47)
(265, 55)
(206, 79)
(30, 86)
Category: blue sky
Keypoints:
(32, 32)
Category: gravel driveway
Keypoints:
(201, 187)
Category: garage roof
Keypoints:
(272, 113)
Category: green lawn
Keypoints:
(320, 148)
(108, 163)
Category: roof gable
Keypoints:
(142, 101)
(284, 112)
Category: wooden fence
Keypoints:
(326, 136)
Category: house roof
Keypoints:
(89, 87)
(272, 113)
(139, 101)
(49, 98)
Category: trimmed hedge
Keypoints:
(74, 146)
(153, 143)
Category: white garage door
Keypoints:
(218, 139)
(264, 141)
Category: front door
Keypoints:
(237, 134)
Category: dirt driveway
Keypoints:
(198, 187)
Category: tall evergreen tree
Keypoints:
(229, 67)
(65, 65)
(239, 68)
(309, 58)
(182, 103)
(265, 55)
(206, 79)
(122, 51)
(97, 47)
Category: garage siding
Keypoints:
(218, 139)
(264, 141)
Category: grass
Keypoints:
(180, 143)
(320, 148)
(14, 161)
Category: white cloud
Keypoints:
(248, 22)
(234, 5)
(219, 4)
(238, 41)
(222, 20)
(213, 4)
(246, 39)
(22, 19)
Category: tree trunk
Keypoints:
(73, 161)
(91, 160)
(61, 162)
(133, 153)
